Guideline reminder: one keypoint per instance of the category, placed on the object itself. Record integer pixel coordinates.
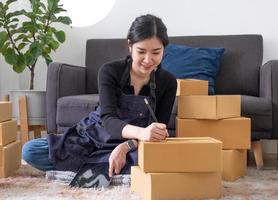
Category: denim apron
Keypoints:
(89, 142)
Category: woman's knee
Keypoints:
(27, 151)
(34, 150)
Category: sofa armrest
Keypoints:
(62, 80)
(269, 89)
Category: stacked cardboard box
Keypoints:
(178, 168)
(10, 148)
(219, 117)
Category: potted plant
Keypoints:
(27, 35)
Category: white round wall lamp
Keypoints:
(87, 12)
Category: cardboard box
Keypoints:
(209, 107)
(5, 110)
(157, 186)
(181, 155)
(192, 87)
(8, 132)
(10, 158)
(234, 164)
(235, 133)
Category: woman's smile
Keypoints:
(147, 55)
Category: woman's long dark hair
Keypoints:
(147, 26)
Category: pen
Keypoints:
(150, 109)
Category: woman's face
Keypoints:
(146, 55)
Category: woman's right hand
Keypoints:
(155, 132)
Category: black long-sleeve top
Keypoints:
(109, 79)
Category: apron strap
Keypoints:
(152, 84)
(152, 91)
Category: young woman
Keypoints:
(110, 133)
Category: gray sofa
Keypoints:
(71, 91)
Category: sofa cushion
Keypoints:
(75, 108)
(188, 62)
(242, 60)
(259, 110)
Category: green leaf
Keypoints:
(26, 40)
(58, 10)
(43, 6)
(47, 58)
(19, 68)
(35, 50)
(10, 56)
(54, 44)
(47, 50)
(10, 1)
(42, 19)
(16, 13)
(13, 27)
(21, 59)
(47, 38)
(52, 29)
(21, 46)
(61, 36)
(19, 65)
(19, 37)
(15, 20)
(64, 20)
(29, 59)
(35, 5)
(5, 47)
(33, 53)
(30, 26)
(30, 15)
(50, 4)
(3, 38)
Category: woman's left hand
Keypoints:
(117, 159)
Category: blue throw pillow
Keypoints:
(188, 62)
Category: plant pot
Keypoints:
(35, 105)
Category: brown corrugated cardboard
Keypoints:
(192, 87)
(8, 132)
(10, 158)
(157, 186)
(209, 107)
(234, 164)
(235, 133)
(181, 155)
(5, 111)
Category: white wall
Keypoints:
(9, 80)
(182, 17)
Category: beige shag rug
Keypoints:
(31, 184)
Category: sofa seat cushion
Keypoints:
(259, 110)
(71, 109)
